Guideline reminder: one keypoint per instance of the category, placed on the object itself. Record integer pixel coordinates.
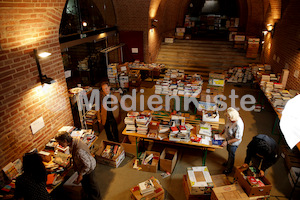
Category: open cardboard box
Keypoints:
(168, 159)
(154, 164)
(252, 190)
(129, 146)
(116, 160)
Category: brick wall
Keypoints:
(24, 26)
(133, 15)
(285, 43)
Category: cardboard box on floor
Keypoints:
(158, 194)
(155, 160)
(199, 180)
(252, 190)
(116, 160)
(220, 180)
(229, 192)
(168, 159)
(73, 191)
(129, 147)
(187, 193)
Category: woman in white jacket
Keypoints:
(233, 131)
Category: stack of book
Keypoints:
(130, 124)
(142, 123)
(179, 133)
(153, 129)
(91, 117)
(68, 129)
(146, 187)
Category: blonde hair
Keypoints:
(232, 114)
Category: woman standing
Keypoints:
(233, 131)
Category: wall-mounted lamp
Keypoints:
(84, 23)
(43, 78)
(271, 28)
(265, 31)
(153, 23)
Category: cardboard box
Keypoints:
(154, 165)
(168, 159)
(229, 192)
(71, 190)
(216, 89)
(116, 160)
(180, 30)
(129, 147)
(169, 40)
(217, 75)
(188, 195)
(199, 180)
(252, 190)
(158, 194)
(216, 82)
(220, 180)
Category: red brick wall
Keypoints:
(24, 26)
(285, 43)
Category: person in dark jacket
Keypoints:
(263, 152)
(31, 184)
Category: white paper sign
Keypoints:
(68, 73)
(135, 50)
(37, 125)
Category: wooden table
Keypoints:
(203, 147)
(144, 69)
(167, 116)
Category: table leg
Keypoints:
(136, 146)
(204, 157)
(275, 125)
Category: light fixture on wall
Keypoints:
(153, 23)
(271, 29)
(44, 79)
(265, 31)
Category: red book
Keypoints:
(174, 129)
(182, 128)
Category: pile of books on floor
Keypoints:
(146, 187)
(176, 82)
(149, 189)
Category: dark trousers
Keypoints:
(111, 129)
(90, 186)
(231, 156)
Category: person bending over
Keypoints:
(83, 162)
(262, 152)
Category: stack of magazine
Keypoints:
(146, 187)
